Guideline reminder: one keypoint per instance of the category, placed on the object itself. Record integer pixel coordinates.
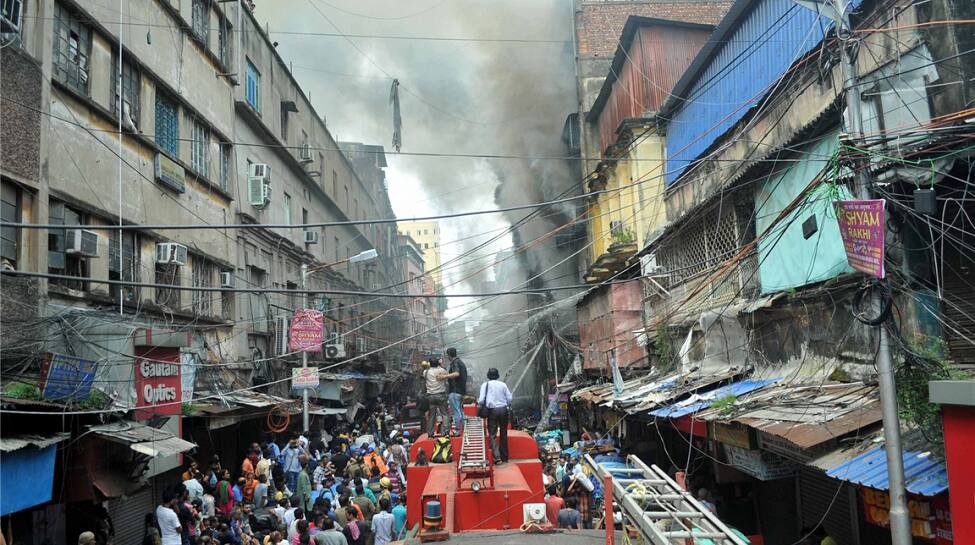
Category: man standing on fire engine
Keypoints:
(457, 387)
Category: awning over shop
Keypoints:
(651, 391)
(27, 470)
(142, 438)
(701, 401)
(922, 474)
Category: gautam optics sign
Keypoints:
(862, 228)
(158, 382)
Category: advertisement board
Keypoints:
(862, 227)
(307, 331)
(158, 382)
(304, 378)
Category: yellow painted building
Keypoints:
(427, 236)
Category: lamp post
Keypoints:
(367, 255)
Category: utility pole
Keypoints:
(304, 354)
(900, 522)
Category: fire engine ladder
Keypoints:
(474, 461)
(663, 512)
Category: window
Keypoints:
(72, 46)
(202, 277)
(355, 209)
(335, 187)
(223, 42)
(125, 89)
(336, 249)
(9, 212)
(167, 273)
(200, 150)
(284, 124)
(304, 218)
(347, 202)
(124, 266)
(167, 124)
(287, 208)
(253, 87)
(58, 260)
(225, 161)
(201, 21)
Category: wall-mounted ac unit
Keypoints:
(258, 191)
(304, 153)
(226, 279)
(311, 237)
(282, 332)
(170, 253)
(81, 242)
(334, 350)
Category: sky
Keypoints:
(457, 97)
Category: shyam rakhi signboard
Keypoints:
(862, 227)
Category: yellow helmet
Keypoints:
(384, 482)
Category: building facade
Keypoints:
(426, 234)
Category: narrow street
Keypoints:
(358, 272)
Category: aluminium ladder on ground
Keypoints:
(474, 461)
(663, 512)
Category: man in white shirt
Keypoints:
(194, 488)
(170, 531)
(435, 381)
(496, 396)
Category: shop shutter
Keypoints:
(128, 516)
(959, 309)
(819, 497)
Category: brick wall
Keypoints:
(600, 23)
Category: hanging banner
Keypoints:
(307, 331)
(158, 381)
(930, 516)
(862, 228)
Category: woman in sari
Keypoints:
(225, 494)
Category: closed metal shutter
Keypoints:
(958, 307)
(827, 499)
(129, 514)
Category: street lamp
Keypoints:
(361, 257)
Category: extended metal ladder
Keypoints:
(664, 513)
(474, 461)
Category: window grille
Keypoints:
(201, 21)
(202, 277)
(72, 47)
(167, 124)
(9, 212)
(225, 162)
(128, 81)
(125, 267)
(167, 273)
(200, 152)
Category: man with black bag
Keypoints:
(493, 402)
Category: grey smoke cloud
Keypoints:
(457, 97)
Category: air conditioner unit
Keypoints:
(10, 15)
(81, 242)
(533, 513)
(258, 191)
(334, 350)
(360, 345)
(170, 253)
(226, 279)
(259, 170)
(304, 153)
(282, 332)
(311, 237)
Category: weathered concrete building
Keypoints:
(179, 114)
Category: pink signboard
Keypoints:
(307, 331)
(862, 228)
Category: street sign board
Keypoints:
(66, 377)
(862, 227)
(304, 378)
(307, 331)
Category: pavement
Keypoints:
(516, 537)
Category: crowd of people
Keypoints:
(309, 490)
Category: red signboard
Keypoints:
(307, 331)
(158, 382)
(862, 228)
(930, 516)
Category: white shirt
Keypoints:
(168, 526)
(495, 394)
(194, 488)
(289, 516)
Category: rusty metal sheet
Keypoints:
(806, 435)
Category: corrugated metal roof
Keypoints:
(17, 442)
(753, 46)
(698, 402)
(142, 438)
(922, 474)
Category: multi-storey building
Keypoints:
(427, 236)
(166, 118)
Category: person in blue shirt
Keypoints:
(271, 443)
(291, 463)
(399, 518)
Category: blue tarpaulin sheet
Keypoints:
(700, 402)
(922, 475)
(27, 475)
